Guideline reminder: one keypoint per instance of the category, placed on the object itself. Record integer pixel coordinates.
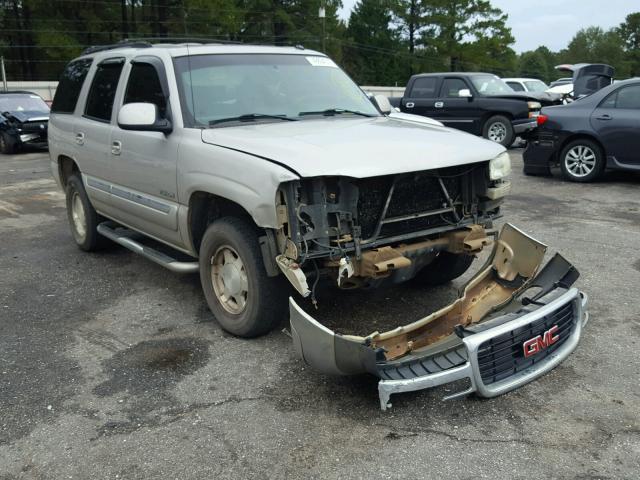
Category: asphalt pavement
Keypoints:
(112, 367)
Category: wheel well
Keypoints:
(579, 136)
(204, 208)
(67, 167)
(487, 116)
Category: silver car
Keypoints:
(268, 170)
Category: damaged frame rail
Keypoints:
(512, 323)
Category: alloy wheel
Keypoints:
(580, 161)
(229, 279)
(78, 216)
(497, 132)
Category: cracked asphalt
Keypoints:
(111, 367)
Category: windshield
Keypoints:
(22, 103)
(490, 85)
(536, 86)
(257, 86)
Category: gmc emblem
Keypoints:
(537, 344)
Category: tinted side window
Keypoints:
(629, 97)
(516, 86)
(70, 85)
(103, 91)
(424, 87)
(451, 87)
(144, 86)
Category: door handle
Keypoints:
(438, 104)
(410, 105)
(80, 138)
(116, 148)
(604, 117)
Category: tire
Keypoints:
(499, 129)
(245, 301)
(83, 218)
(582, 161)
(7, 144)
(446, 267)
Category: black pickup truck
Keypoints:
(478, 103)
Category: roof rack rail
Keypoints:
(121, 44)
(184, 40)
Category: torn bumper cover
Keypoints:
(512, 323)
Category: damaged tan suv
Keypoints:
(266, 167)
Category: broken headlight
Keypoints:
(500, 166)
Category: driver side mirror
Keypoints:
(143, 117)
(465, 93)
(383, 104)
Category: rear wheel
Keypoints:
(499, 129)
(83, 218)
(7, 144)
(245, 301)
(446, 267)
(582, 161)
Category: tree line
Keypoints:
(382, 43)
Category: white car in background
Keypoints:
(526, 84)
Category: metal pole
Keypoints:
(4, 74)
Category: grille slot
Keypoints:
(503, 355)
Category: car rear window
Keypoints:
(424, 87)
(626, 97)
(70, 85)
(103, 90)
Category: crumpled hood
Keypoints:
(27, 116)
(355, 147)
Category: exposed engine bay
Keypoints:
(359, 231)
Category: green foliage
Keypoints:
(383, 43)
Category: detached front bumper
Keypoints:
(498, 352)
(494, 336)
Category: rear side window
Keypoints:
(424, 87)
(516, 86)
(144, 86)
(626, 97)
(70, 85)
(103, 90)
(451, 87)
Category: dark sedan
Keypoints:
(586, 137)
(24, 117)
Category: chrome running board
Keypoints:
(124, 236)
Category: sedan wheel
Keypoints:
(580, 161)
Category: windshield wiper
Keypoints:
(251, 117)
(329, 112)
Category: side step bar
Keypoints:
(124, 236)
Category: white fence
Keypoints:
(47, 89)
(44, 89)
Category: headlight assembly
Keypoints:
(534, 105)
(500, 166)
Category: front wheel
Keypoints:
(444, 268)
(243, 298)
(499, 129)
(582, 161)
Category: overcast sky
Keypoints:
(552, 22)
